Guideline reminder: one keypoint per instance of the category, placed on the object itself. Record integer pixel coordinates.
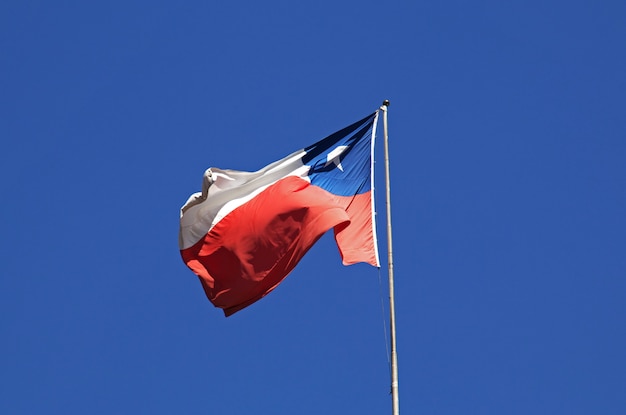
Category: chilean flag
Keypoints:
(245, 232)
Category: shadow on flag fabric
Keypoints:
(245, 232)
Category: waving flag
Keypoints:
(245, 232)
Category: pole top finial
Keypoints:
(386, 103)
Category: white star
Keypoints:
(333, 157)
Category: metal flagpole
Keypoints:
(392, 313)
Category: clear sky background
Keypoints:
(508, 161)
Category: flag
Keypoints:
(246, 231)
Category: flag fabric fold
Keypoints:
(246, 231)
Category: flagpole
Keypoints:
(392, 313)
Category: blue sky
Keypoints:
(508, 141)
